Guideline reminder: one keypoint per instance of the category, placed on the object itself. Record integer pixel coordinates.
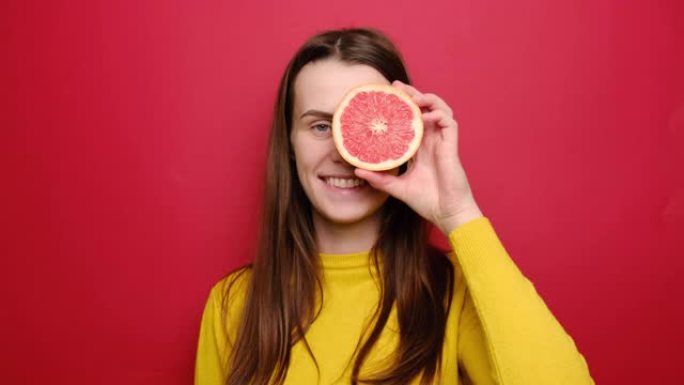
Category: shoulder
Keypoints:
(219, 325)
(224, 305)
(228, 294)
(233, 285)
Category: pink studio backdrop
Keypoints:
(133, 139)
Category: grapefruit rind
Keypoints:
(416, 124)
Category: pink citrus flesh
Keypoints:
(377, 127)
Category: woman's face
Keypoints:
(328, 180)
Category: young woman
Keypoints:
(344, 287)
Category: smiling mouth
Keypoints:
(343, 182)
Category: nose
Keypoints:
(334, 154)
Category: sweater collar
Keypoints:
(346, 260)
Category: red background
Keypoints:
(133, 141)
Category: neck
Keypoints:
(344, 238)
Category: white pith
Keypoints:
(416, 123)
(379, 126)
(344, 182)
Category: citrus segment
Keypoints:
(377, 127)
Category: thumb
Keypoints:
(388, 183)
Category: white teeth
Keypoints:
(344, 183)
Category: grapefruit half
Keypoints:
(377, 127)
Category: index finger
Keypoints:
(410, 90)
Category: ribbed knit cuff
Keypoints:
(478, 250)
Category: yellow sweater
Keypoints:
(499, 330)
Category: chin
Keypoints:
(348, 217)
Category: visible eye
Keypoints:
(321, 128)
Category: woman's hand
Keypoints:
(435, 184)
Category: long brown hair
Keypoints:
(284, 288)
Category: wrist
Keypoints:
(449, 224)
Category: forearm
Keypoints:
(526, 344)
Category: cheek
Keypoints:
(306, 162)
(300, 166)
(309, 154)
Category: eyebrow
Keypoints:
(317, 113)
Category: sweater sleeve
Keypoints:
(507, 334)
